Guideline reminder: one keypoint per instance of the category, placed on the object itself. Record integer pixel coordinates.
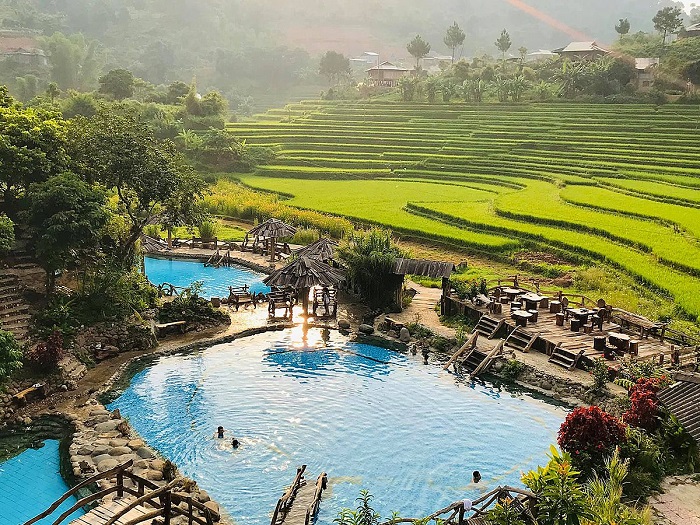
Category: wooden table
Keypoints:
(521, 317)
(532, 300)
(512, 293)
(618, 340)
(581, 314)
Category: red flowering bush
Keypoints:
(644, 405)
(46, 356)
(590, 431)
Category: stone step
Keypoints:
(14, 320)
(10, 312)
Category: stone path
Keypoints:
(680, 502)
(422, 310)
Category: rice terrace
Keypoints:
(612, 183)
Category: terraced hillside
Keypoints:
(612, 183)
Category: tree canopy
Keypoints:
(334, 66)
(418, 48)
(503, 43)
(668, 20)
(454, 38)
(118, 84)
(623, 26)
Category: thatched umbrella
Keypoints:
(303, 274)
(321, 250)
(270, 230)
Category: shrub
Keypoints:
(685, 448)
(208, 230)
(46, 355)
(512, 370)
(10, 355)
(504, 513)
(59, 314)
(589, 434)
(7, 234)
(644, 405)
(646, 467)
(600, 373)
(188, 306)
(364, 514)
(114, 294)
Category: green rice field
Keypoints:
(617, 184)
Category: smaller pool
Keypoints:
(30, 483)
(215, 281)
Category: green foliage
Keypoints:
(512, 370)
(418, 48)
(561, 501)
(59, 314)
(622, 27)
(118, 84)
(668, 20)
(7, 234)
(505, 512)
(454, 37)
(364, 514)
(10, 355)
(75, 62)
(334, 66)
(66, 217)
(46, 355)
(600, 373)
(503, 43)
(369, 258)
(113, 294)
(80, 104)
(188, 306)
(207, 229)
(686, 455)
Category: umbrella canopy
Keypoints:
(305, 272)
(272, 229)
(321, 250)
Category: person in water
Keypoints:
(235, 442)
(220, 432)
(476, 476)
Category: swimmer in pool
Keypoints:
(220, 432)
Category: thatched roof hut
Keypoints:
(272, 229)
(321, 250)
(305, 272)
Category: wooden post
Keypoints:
(166, 508)
(120, 484)
(305, 301)
(189, 508)
(273, 245)
(445, 295)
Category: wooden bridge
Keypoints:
(131, 500)
(300, 502)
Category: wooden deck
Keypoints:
(550, 336)
(101, 514)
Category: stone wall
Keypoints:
(105, 340)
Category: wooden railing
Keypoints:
(312, 510)
(166, 503)
(524, 500)
(285, 502)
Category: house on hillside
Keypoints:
(646, 71)
(387, 74)
(691, 31)
(582, 51)
(21, 46)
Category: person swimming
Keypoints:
(476, 476)
(235, 443)
(220, 432)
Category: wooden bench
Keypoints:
(629, 320)
(241, 295)
(199, 242)
(392, 324)
(36, 391)
(162, 328)
(331, 309)
(280, 299)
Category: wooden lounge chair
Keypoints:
(241, 295)
(332, 309)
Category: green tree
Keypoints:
(622, 27)
(118, 84)
(370, 259)
(213, 104)
(184, 207)
(33, 147)
(53, 92)
(522, 51)
(7, 234)
(122, 153)
(176, 92)
(10, 355)
(503, 44)
(668, 20)
(418, 48)
(75, 63)
(66, 216)
(454, 38)
(334, 66)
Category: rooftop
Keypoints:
(581, 47)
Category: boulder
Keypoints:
(144, 453)
(154, 475)
(118, 442)
(136, 444)
(119, 451)
(102, 457)
(107, 464)
(366, 329)
(404, 335)
(108, 426)
(211, 505)
(344, 324)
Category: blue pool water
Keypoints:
(215, 280)
(371, 418)
(30, 483)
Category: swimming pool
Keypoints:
(30, 482)
(215, 281)
(371, 418)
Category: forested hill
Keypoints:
(243, 45)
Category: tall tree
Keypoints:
(53, 92)
(454, 38)
(622, 27)
(668, 20)
(418, 48)
(122, 153)
(66, 216)
(334, 66)
(118, 84)
(503, 44)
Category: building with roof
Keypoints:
(387, 74)
(540, 54)
(582, 51)
(646, 72)
(692, 31)
(682, 399)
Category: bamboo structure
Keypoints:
(321, 250)
(270, 231)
